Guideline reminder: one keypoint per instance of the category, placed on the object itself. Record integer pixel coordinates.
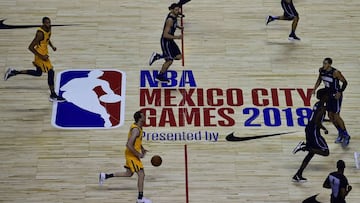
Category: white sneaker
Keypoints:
(9, 73)
(299, 147)
(153, 58)
(357, 161)
(101, 178)
(143, 200)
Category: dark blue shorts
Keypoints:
(314, 138)
(169, 48)
(289, 10)
(333, 105)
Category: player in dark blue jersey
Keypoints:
(331, 78)
(315, 143)
(169, 48)
(338, 183)
(290, 13)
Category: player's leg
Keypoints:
(12, 72)
(51, 83)
(298, 175)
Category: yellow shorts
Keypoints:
(133, 163)
(45, 66)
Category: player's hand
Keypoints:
(338, 95)
(179, 37)
(349, 188)
(44, 57)
(326, 132)
(54, 48)
(144, 151)
(140, 155)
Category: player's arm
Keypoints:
(317, 84)
(106, 87)
(143, 150)
(338, 75)
(326, 183)
(38, 37)
(131, 141)
(168, 25)
(52, 46)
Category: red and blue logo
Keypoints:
(95, 99)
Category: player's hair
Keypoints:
(340, 164)
(321, 93)
(329, 60)
(137, 116)
(174, 5)
(45, 18)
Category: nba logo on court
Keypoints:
(95, 99)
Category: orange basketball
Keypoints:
(156, 160)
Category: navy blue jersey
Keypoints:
(333, 84)
(173, 28)
(315, 111)
(312, 130)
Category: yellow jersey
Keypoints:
(138, 140)
(42, 48)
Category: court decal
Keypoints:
(232, 138)
(4, 26)
(95, 99)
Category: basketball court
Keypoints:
(236, 107)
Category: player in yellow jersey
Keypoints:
(133, 154)
(39, 47)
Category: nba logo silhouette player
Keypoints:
(94, 99)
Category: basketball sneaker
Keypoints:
(346, 141)
(301, 146)
(101, 178)
(293, 37)
(268, 20)
(56, 98)
(9, 73)
(154, 56)
(143, 200)
(299, 179)
(339, 138)
(161, 78)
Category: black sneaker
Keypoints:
(162, 78)
(301, 146)
(154, 56)
(56, 98)
(293, 37)
(268, 20)
(9, 73)
(299, 179)
(339, 138)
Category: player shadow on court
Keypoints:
(80, 92)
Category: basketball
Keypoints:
(156, 160)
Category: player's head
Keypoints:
(139, 116)
(327, 62)
(340, 165)
(322, 94)
(95, 73)
(46, 22)
(175, 8)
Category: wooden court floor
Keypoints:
(240, 76)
